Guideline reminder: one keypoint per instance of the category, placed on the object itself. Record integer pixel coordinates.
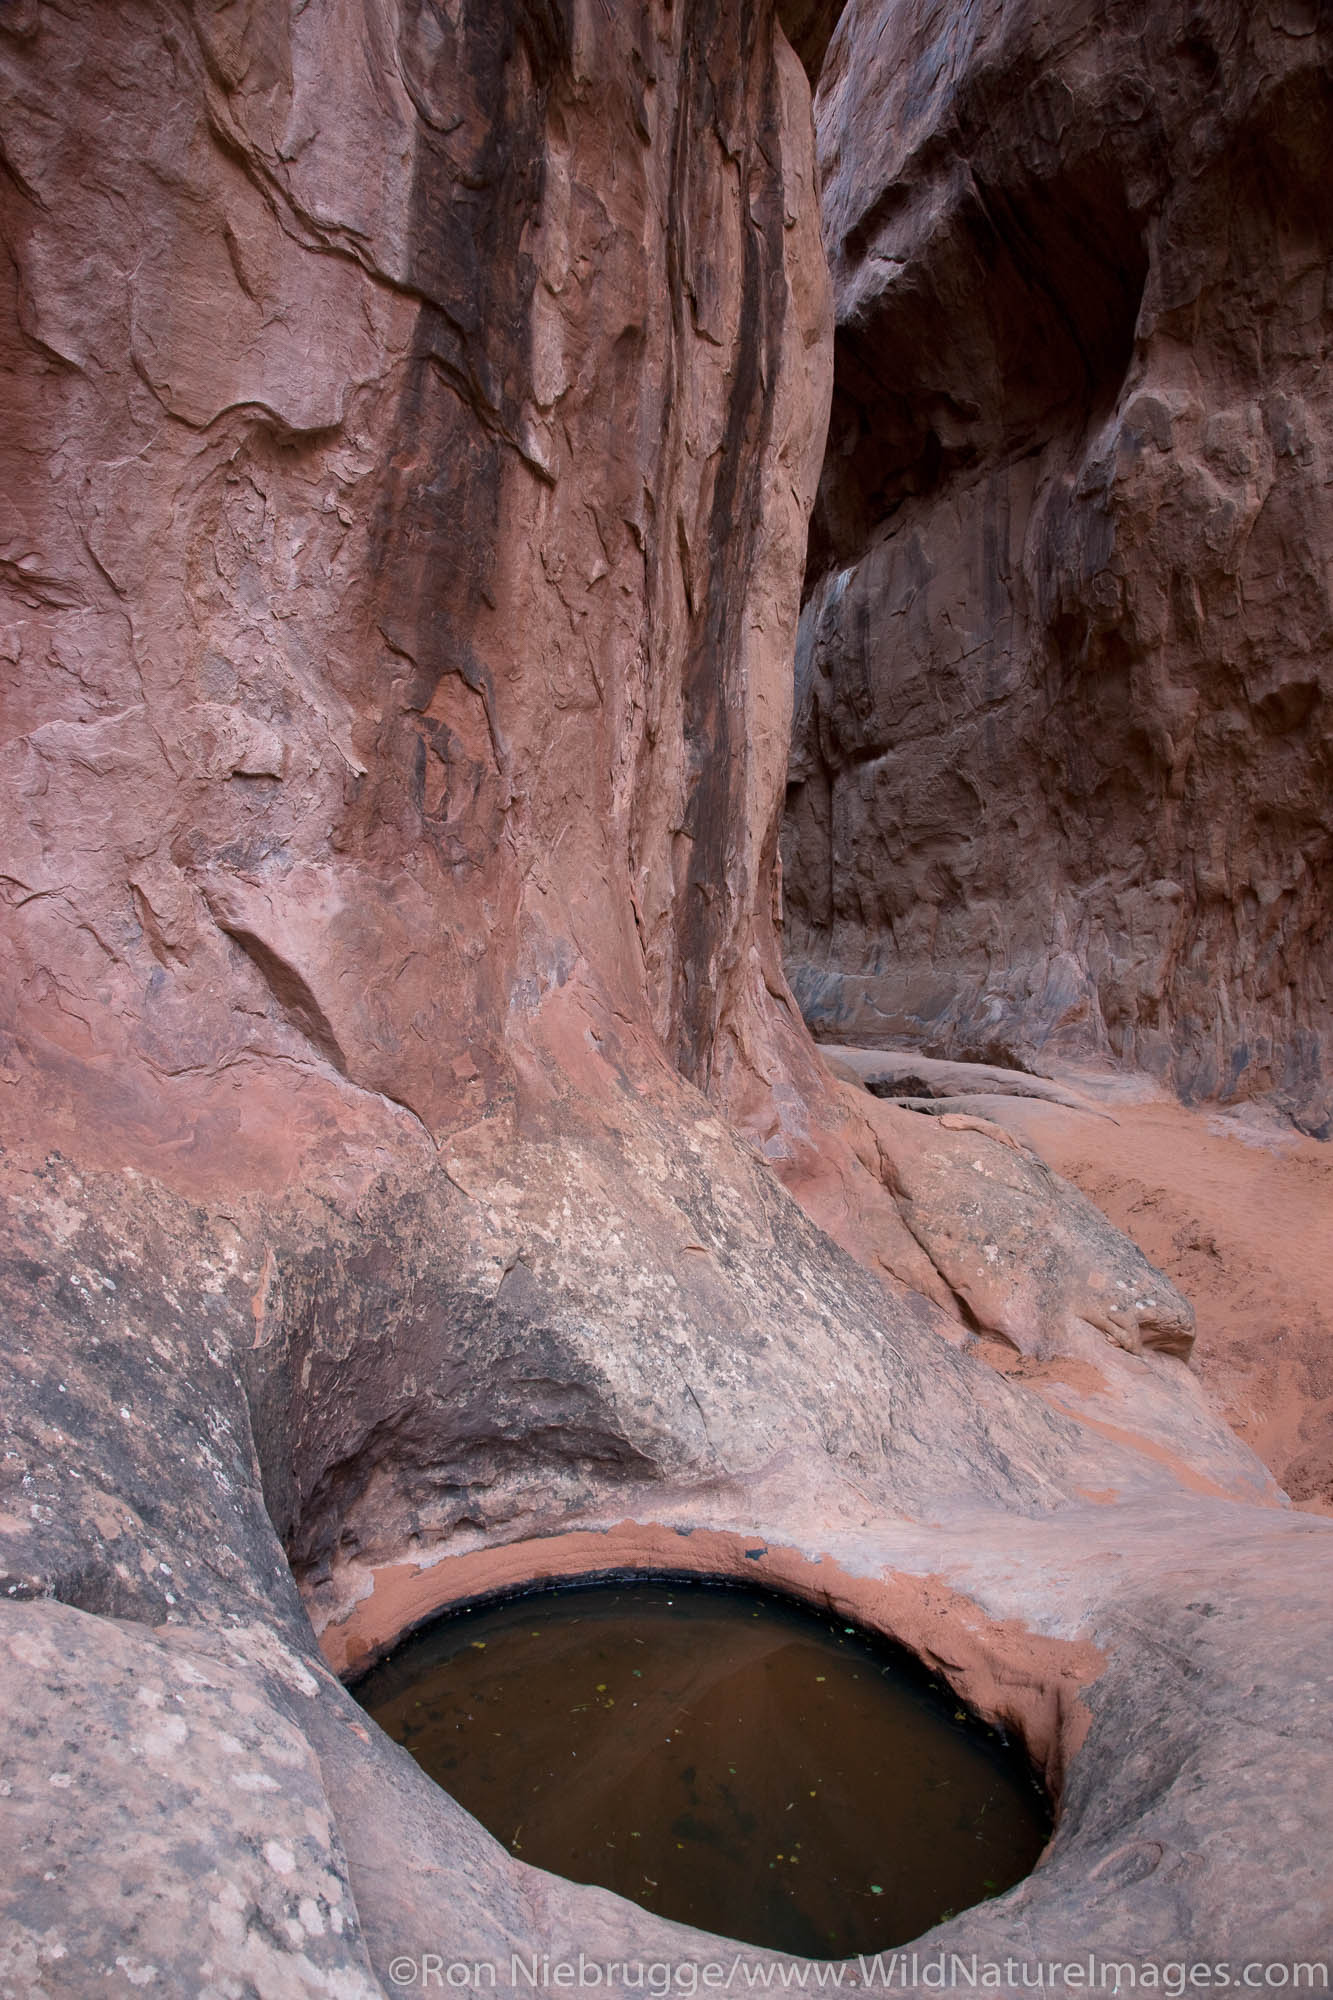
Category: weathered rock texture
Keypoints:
(415, 411)
(405, 638)
(1062, 764)
(1236, 1211)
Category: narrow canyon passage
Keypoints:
(1058, 793)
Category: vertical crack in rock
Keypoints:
(707, 919)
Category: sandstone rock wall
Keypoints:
(413, 415)
(414, 438)
(415, 433)
(416, 420)
(1062, 765)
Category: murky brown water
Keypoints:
(732, 1761)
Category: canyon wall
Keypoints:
(415, 436)
(414, 442)
(1062, 763)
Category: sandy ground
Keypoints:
(1237, 1209)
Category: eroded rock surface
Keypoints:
(1235, 1209)
(416, 414)
(1062, 757)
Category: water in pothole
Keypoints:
(736, 1762)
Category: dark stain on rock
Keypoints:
(724, 60)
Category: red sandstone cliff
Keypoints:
(414, 413)
(414, 441)
(1062, 763)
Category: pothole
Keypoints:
(731, 1760)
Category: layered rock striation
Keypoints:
(1062, 758)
